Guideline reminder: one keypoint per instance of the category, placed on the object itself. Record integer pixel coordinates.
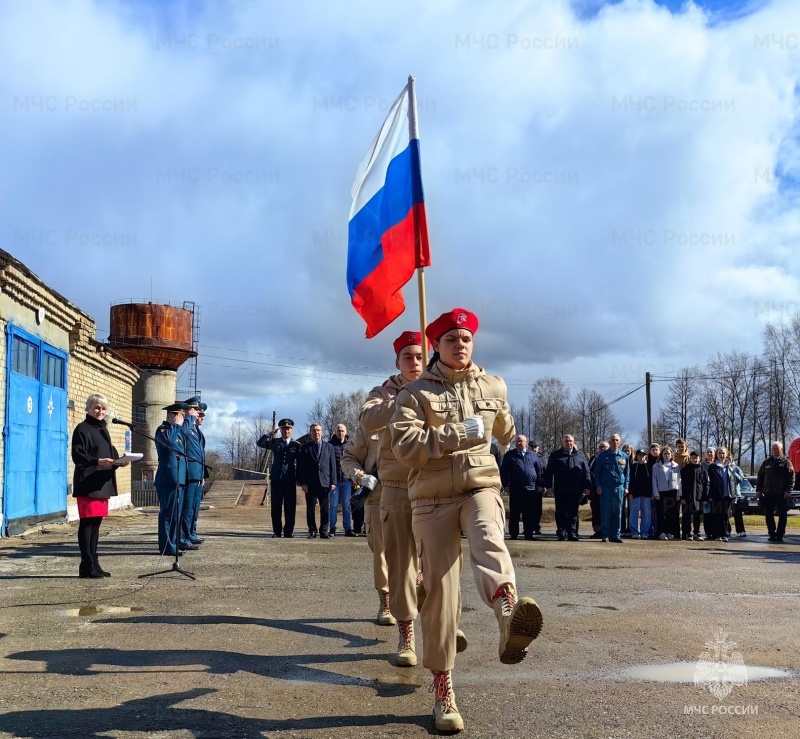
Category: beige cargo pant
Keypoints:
(372, 519)
(437, 524)
(401, 553)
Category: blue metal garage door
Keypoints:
(35, 432)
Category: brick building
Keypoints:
(50, 362)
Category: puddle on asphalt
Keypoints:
(579, 605)
(684, 672)
(98, 610)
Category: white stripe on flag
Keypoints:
(390, 141)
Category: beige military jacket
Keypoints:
(375, 416)
(428, 436)
(360, 457)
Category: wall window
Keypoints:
(53, 370)
(24, 358)
(140, 414)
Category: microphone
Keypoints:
(120, 421)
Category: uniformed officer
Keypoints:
(282, 477)
(171, 477)
(611, 475)
(201, 417)
(442, 430)
(195, 471)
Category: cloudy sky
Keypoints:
(609, 185)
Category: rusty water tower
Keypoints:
(158, 338)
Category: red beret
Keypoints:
(456, 318)
(407, 338)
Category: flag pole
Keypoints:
(413, 131)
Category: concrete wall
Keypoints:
(91, 368)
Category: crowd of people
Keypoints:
(655, 494)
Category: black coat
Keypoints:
(90, 442)
(640, 485)
(775, 476)
(316, 473)
(567, 473)
(338, 448)
(694, 483)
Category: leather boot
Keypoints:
(406, 654)
(385, 617)
(445, 711)
(520, 622)
(97, 567)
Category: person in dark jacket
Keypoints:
(640, 493)
(773, 486)
(718, 500)
(522, 475)
(195, 474)
(282, 477)
(567, 478)
(316, 473)
(93, 482)
(694, 485)
(594, 498)
(344, 486)
(170, 480)
(653, 458)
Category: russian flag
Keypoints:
(388, 234)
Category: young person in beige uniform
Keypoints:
(401, 554)
(360, 464)
(442, 429)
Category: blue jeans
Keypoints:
(611, 512)
(640, 505)
(343, 491)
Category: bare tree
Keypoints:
(551, 415)
(594, 419)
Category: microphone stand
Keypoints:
(175, 512)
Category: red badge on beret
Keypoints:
(456, 318)
(407, 338)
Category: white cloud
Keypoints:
(592, 184)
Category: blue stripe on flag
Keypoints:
(389, 206)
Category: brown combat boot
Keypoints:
(520, 622)
(445, 711)
(385, 617)
(406, 654)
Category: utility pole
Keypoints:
(647, 380)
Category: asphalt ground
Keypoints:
(276, 638)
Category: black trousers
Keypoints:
(567, 506)
(626, 515)
(690, 517)
(715, 516)
(669, 508)
(358, 518)
(536, 510)
(317, 494)
(594, 504)
(775, 505)
(283, 501)
(521, 504)
(88, 535)
(737, 509)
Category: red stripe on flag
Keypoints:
(378, 298)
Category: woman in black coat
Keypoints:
(94, 480)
